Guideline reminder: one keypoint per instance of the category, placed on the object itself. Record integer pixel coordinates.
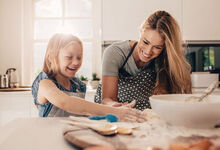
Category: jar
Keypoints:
(4, 81)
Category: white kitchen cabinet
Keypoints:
(20, 105)
(201, 20)
(16, 105)
(121, 19)
(90, 94)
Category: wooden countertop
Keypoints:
(21, 88)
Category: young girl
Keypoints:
(58, 93)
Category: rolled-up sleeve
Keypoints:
(113, 59)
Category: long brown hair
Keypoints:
(57, 42)
(174, 70)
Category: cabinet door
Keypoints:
(33, 108)
(121, 19)
(201, 20)
(13, 106)
(16, 105)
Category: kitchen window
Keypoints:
(78, 17)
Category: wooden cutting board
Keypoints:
(84, 138)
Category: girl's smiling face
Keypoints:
(70, 60)
(150, 45)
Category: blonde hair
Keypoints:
(57, 42)
(174, 70)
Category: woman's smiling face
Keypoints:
(70, 60)
(150, 45)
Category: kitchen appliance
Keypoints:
(203, 56)
(13, 77)
(4, 81)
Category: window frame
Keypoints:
(28, 41)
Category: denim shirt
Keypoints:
(44, 109)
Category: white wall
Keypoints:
(10, 35)
(203, 21)
(198, 19)
(121, 19)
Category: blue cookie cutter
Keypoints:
(108, 117)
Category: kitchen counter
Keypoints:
(17, 93)
(33, 134)
(20, 88)
(47, 133)
(199, 90)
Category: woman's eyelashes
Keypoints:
(146, 43)
(157, 47)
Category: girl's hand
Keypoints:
(130, 115)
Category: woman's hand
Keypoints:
(111, 103)
(116, 104)
(129, 105)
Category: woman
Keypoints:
(155, 64)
